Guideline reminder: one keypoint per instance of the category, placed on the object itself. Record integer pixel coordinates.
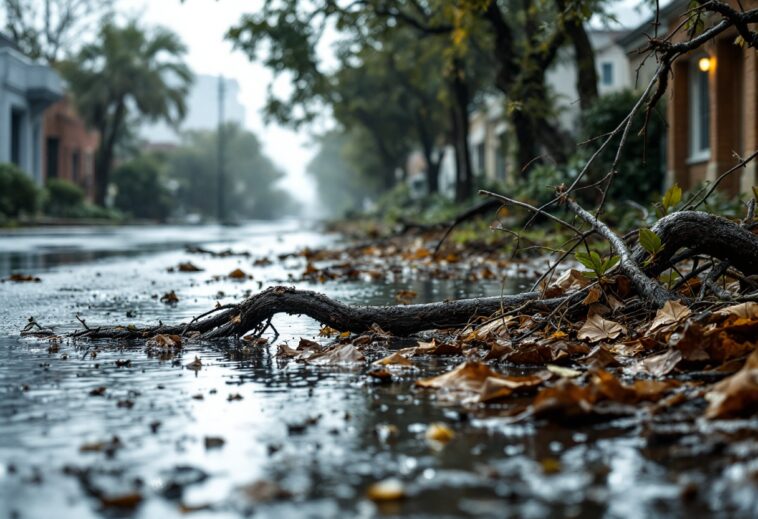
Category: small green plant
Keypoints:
(651, 242)
(598, 267)
(670, 199)
(63, 198)
(18, 193)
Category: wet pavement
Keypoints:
(108, 429)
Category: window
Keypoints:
(700, 113)
(17, 124)
(606, 73)
(53, 147)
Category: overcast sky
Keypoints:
(202, 24)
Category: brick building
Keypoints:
(712, 107)
(69, 147)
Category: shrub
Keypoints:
(63, 198)
(140, 189)
(18, 193)
(641, 165)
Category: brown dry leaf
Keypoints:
(747, 310)
(736, 395)
(121, 501)
(405, 297)
(264, 491)
(571, 279)
(23, 278)
(439, 433)
(628, 348)
(188, 267)
(496, 327)
(195, 365)
(165, 341)
(391, 489)
(563, 400)
(659, 365)
(598, 329)
(283, 350)
(593, 296)
(328, 331)
(339, 355)
(396, 359)
(437, 348)
(600, 357)
(498, 350)
(468, 376)
(237, 274)
(495, 388)
(669, 316)
(170, 298)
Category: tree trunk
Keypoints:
(104, 156)
(586, 77)
(464, 183)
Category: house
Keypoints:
(26, 90)
(69, 147)
(711, 105)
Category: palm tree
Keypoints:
(126, 72)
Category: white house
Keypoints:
(26, 90)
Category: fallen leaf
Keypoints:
(391, 489)
(593, 296)
(121, 501)
(165, 341)
(439, 433)
(405, 297)
(598, 329)
(736, 395)
(188, 267)
(396, 359)
(170, 298)
(437, 348)
(195, 365)
(563, 372)
(669, 316)
(237, 274)
(23, 278)
(747, 310)
(264, 491)
(213, 442)
(339, 355)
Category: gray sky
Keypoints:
(202, 24)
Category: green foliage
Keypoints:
(126, 73)
(63, 198)
(141, 189)
(250, 185)
(18, 193)
(641, 167)
(670, 199)
(650, 241)
(597, 266)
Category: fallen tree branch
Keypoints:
(647, 287)
(702, 233)
(399, 320)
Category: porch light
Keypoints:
(705, 63)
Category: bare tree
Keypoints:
(48, 29)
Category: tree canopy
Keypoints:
(129, 71)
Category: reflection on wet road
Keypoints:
(87, 428)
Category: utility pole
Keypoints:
(221, 141)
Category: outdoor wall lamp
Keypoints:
(705, 63)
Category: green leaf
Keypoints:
(584, 259)
(650, 241)
(610, 263)
(755, 192)
(672, 197)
